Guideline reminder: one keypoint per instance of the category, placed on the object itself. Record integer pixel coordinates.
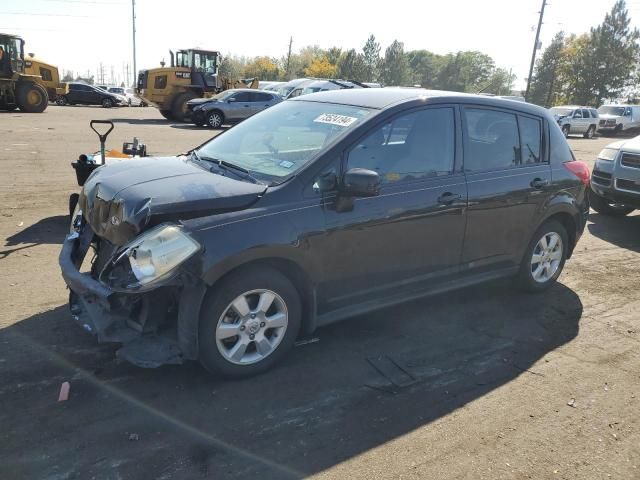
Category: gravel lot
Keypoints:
(509, 385)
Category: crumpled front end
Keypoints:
(155, 325)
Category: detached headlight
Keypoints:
(608, 154)
(151, 257)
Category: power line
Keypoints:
(85, 1)
(27, 14)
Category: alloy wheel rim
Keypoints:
(251, 327)
(546, 257)
(215, 120)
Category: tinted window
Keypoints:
(578, 114)
(260, 97)
(530, 139)
(414, 145)
(594, 113)
(241, 97)
(585, 114)
(160, 82)
(491, 140)
(46, 74)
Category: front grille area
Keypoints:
(627, 185)
(630, 160)
(601, 123)
(601, 178)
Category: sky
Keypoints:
(78, 35)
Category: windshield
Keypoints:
(617, 111)
(561, 112)
(116, 90)
(280, 141)
(224, 95)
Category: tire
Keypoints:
(617, 130)
(538, 276)
(62, 101)
(215, 119)
(604, 207)
(215, 354)
(73, 201)
(565, 130)
(107, 103)
(591, 131)
(31, 98)
(166, 114)
(179, 108)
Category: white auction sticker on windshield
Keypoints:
(335, 119)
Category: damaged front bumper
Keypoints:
(156, 327)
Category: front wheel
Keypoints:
(107, 103)
(565, 131)
(215, 119)
(248, 322)
(545, 256)
(32, 98)
(604, 207)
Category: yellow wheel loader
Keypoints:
(49, 74)
(17, 88)
(193, 74)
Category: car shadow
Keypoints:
(50, 230)
(365, 382)
(623, 232)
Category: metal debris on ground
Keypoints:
(572, 403)
(63, 396)
(306, 341)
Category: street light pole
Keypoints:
(535, 49)
(135, 70)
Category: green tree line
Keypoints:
(590, 68)
(465, 71)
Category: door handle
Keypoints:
(539, 183)
(448, 198)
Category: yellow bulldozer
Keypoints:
(18, 89)
(193, 74)
(49, 74)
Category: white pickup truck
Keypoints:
(618, 118)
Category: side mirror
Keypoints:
(360, 182)
(231, 100)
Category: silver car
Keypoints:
(230, 106)
(574, 119)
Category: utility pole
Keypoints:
(535, 49)
(135, 70)
(289, 56)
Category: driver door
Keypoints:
(238, 107)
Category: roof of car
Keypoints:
(379, 98)
(573, 106)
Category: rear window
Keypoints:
(530, 139)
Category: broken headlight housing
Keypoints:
(148, 259)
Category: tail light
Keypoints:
(579, 169)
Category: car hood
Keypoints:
(632, 146)
(608, 116)
(122, 199)
(200, 101)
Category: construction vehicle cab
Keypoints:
(17, 88)
(193, 74)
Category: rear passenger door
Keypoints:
(259, 101)
(508, 182)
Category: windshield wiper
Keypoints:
(237, 170)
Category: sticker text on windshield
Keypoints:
(335, 119)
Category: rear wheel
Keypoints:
(604, 207)
(590, 132)
(179, 109)
(248, 322)
(62, 100)
(107, 103)
(545, 256)
(32, 98)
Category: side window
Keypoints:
(242, 97)
(530, 139)
(412, 146)
(585, 114)
(45, 73)
(160, 82)
(594, 113)
(260, 97)
(73, 87)
(577, 114)
(627, 112)
(491, 141)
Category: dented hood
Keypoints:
(120, 200)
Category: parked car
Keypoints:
(316, 86)
(131, 99)
(576, 120)
(615, 180)
(230, 106)
(317, 209)
(83, 94)
(618, 118)
(285, 90)
(270, 86)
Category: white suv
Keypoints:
(575, 119)
(618, 118)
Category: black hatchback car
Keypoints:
(315, 210)
(83, 94)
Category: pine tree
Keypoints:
(371, 59)
(395, 66)
(545, 84)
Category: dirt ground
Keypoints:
(507, 385)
